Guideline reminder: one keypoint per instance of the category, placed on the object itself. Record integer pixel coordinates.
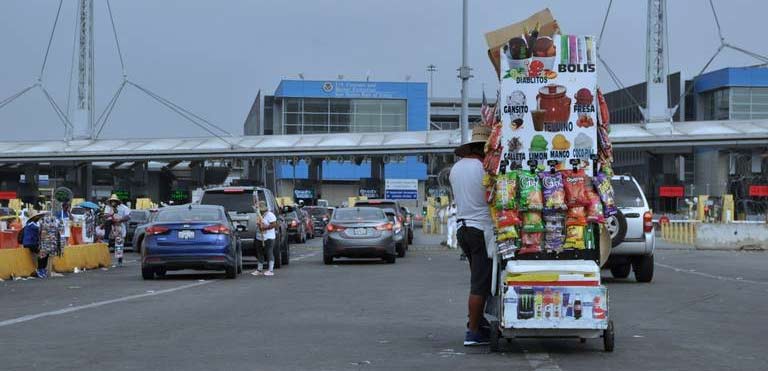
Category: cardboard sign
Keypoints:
(549, 100)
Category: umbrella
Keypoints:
(89, 205)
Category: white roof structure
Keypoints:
(724, 133)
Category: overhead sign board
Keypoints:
(401, 189)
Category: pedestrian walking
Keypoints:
(474, 229)
(451, 227)
(266, 240)
(117, 216)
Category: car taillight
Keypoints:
(156, 229)
(294, 223)
(216, 229)
(384, 227)
(334, 228)
(647, 222)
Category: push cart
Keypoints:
(550, 295)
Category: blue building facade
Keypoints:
(326, 107)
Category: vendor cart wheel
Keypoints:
(608, 337)
(493, 343)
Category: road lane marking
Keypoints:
(305, 256)
(32, 317)
(702, 274)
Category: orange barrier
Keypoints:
(17, 262)
(20, 262)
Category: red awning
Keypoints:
(758, 190)
(672, 191)
(7, 195)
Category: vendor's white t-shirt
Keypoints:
(468, 191)
(267, 219)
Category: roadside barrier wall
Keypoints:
(20, 262)
(732, 236)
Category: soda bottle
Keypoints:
(538, 304)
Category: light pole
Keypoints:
(431, 69)
(464, 74)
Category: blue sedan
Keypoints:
(190, 237)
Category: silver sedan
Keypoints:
(359, 232)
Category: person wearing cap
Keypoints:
(118, 214)
(474, 229)
(266, 237)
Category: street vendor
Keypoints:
(474, 229)
(118, 215)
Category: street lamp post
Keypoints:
(431, 69)
(464, 74)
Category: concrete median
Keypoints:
(20, 262)
(732, 236)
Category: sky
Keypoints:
(212, 57)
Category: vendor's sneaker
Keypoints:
(475, 338)
(269, 273)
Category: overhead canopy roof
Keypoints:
(754, 132)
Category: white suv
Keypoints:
(631, 231)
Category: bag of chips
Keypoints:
(530, 191)
(595, 209)
(574, 237)
(506, 234)
(605, 190)
(576, 216)
(553, 190)
(531, 243)
(506, 191)
(553, 231)
(532, 222)
(553, 242)
(574, 182)
(507, 218)
(507, 249)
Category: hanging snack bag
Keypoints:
(506, 191)
(507, 218)
(577, 215)
(553, 231)
(530, 191)
(553, 243)
(506, 234)
(532, 222)
(594, 207)
(553, 190)
(605, 190)
(574, 182)
(531, 243)
(574, 237)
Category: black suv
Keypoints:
(241, 205)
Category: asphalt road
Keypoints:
(704, 311)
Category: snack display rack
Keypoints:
(548, 163)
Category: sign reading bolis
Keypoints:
(548, 99)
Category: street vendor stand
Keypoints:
(548, 163)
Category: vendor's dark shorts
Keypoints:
(472, 242)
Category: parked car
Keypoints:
(191, 237)
(320, 216)
(296, 226)
(309, 224)
(399, 230)
(631, 230)
(389, 204)
(138, 217)
(140, 231)
(241, 205)
(359, 232)
(408, 223)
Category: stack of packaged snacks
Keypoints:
(506, 216)
(554, 205)
(576, 219)
(531, 204)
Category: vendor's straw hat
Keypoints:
(480, 134)
(114, 198)
(263, 206)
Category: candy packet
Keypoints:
(553, 190)
(530, 191)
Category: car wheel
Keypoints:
(390, 259)
(327, 259)
(617, 228)
(620, 270)
(147, 273)
(643, 267)
(400, 250)
(230, 272)
(160, 273)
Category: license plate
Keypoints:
(360, 232)
(186, 235)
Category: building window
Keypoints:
(318, 115)
(715, 104)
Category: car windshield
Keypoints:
(185, 214)
(318, 211)
(239, 202)
(626, 194)
(359, 213)
(139, 216)
(291, 215)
